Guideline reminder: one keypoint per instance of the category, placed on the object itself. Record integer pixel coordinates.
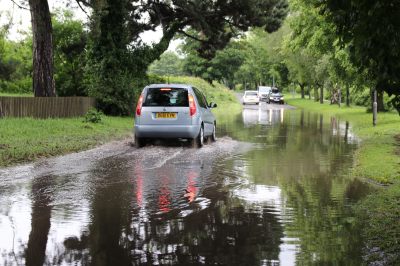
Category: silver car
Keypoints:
(174, 111)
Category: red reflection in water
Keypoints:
(139, 185)
(191, 189)
(164, 198)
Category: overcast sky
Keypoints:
(22, 19)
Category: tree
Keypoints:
(117, 55)
(43, 81)
(370, 29)
(300, 66)
(226, 63)
(221, 68)
(15, 62)
(169, 64)
(69, 54)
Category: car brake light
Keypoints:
(139, 105)
(192, 105)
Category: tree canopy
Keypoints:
(371, 30)
(117, 55)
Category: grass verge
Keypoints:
(377, 159)
(27, 139)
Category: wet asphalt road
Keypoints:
(271, 191)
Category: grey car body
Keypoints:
(181, 123)
(276, 96)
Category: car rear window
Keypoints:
(251, 93)
(264, 89)
(167, 97)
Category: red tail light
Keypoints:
(192, 105)
(139, 105)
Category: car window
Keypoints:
(251, 93)
(167, 97)
(200, 98)
(264, 89)
(275, 91)
(204, 97)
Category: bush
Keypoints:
(361, 98)
(93, 116)
(20, 86)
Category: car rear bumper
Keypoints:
(251, 101)
(166, 131)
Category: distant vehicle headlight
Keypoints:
(271, 98)
(282, 98)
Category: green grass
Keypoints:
(27, 139)
(377, 159)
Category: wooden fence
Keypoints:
(45, 107)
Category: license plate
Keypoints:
(165, 115)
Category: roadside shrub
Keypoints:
(361, 98)
(23, 85)
(93, 116)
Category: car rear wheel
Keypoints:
(198, 141)
(139, 142)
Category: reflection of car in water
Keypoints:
(262, 117)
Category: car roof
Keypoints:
(184, 86)
(264, 87)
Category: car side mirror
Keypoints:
(212, 105)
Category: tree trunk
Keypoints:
(316, 94)
(302, 90)
(321, 94)
(347, 96)
(43, 81)
(381, 105)
(309, 92)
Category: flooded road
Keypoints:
(273, 190)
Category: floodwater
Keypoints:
(273, 190)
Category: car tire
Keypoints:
(198, 141)
(139, 142)
(213, 136)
